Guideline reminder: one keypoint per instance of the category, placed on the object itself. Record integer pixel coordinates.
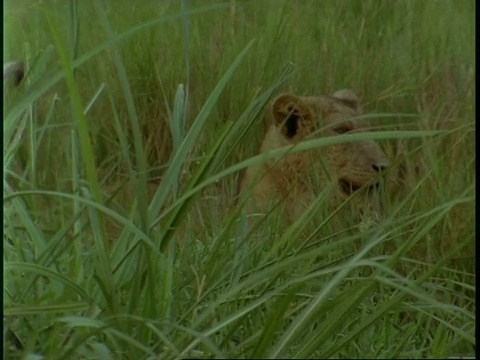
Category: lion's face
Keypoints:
(351, 166)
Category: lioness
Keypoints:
(351, 166)
(15, 69)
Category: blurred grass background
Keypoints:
(102, 108)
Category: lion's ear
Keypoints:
(292, 115)
(349, 98)
(15, 69)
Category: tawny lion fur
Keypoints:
(351, 166)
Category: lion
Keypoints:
(15, 69)
(290, 180)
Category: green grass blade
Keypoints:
(179, 157)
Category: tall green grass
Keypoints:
(124, 145)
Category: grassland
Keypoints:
(163, 102)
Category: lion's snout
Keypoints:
(348, 187)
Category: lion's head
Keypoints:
(351, 166)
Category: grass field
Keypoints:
(124, 146)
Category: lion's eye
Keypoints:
(342, 129)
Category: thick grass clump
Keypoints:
(124, 145)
